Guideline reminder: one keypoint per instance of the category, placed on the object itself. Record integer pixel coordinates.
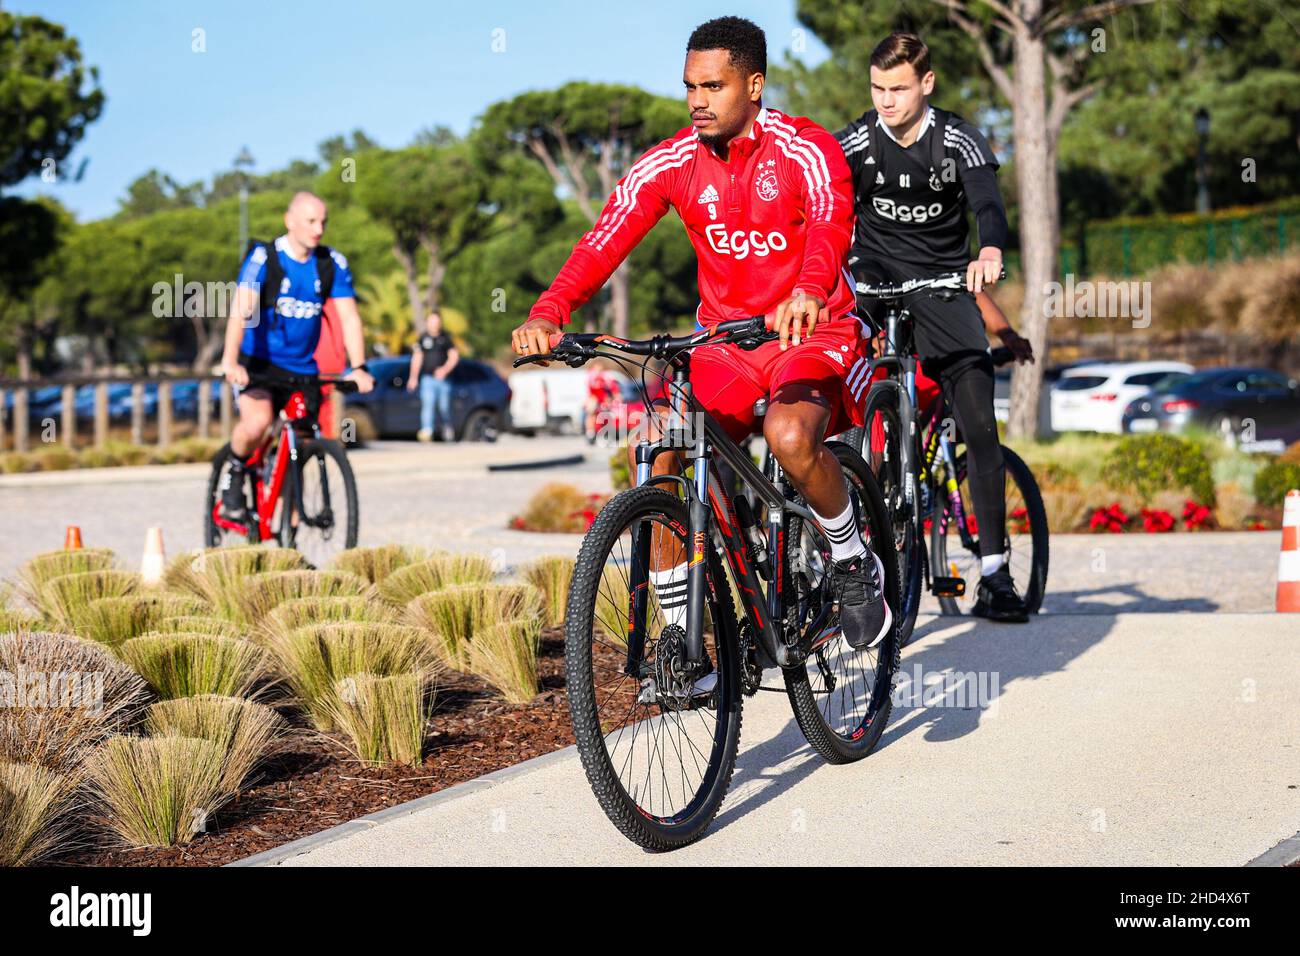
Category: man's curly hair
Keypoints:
(744, 41)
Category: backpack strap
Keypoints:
(325, 272)
(274, 273)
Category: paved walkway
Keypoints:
(1142, 739)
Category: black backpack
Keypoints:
(876, 149)
(275, 272)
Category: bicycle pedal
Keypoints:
(948, 587)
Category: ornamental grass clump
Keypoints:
(383, 717)
(60, 696)
(242, 730)
(505, 655)
(301, 612)
(551, 576)
(183, 665)
(376, 564)
(62, 597)
(157, 791)
(36, 572)
(113, 620)
(313, 659)
(453, 615)
(262, 593)
(35, 812)
(198, 624)
(435, 574)
(218, 575)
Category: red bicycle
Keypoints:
(299, 488)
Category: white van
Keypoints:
(550, 399)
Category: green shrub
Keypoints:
(1274, 480)
(619, 470)
(1153, 463)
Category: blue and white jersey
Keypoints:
(287, 334)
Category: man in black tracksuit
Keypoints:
(916, 172)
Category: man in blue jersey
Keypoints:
(271, 338)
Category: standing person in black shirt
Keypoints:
(916, 171)
(434, 357)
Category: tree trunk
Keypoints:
(407, 262)
(437, 272)
(619, 304)
(1034, 175)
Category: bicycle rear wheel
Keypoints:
(319, 514)
(659, 765)
(841, 696)
(956, 555)
(214, 535)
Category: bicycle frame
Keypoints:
(709, 507)
(267, 488)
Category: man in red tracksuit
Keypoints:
(767, 202)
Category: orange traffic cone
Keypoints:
(72, 538)
(1288, 562)
(153, 562)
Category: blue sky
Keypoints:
(281, 77)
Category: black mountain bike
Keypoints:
(299, 488)
(656, 708)
(920, 462)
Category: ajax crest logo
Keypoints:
(765, 184)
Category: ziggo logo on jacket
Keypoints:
(292, 308)
(740, 243)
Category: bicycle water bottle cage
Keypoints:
(295, 409)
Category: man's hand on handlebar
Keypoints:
(1020, 346)
(235, 374)
(797, 316)
(365, 381)
(986, 270)
(534, 337)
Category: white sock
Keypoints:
(990, 564)
(843, 534)
(670, 589)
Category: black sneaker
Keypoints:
(865, 617)
(234, 506)
(997, 599)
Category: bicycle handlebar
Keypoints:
(576, 348)
(949, 282)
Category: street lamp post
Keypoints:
(244, 161)
(1202, 161)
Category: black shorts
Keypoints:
(944, 332)
(266, 380)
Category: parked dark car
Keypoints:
(480, 402)
(1254, 403)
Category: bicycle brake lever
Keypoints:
(527, 359)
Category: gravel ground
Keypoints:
(444, 496)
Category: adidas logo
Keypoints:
(709, 195)
(871, 160)
(835, 355)
(880, 178)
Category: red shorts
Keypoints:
(727, 380)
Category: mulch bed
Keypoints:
(314, 783)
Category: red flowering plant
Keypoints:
(1112, 519)
(1196, 517)
(1018, 521)
(1156, 521)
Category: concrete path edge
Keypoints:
(1284, 854)
(278, 854)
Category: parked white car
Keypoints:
(551, 399)
(1092, 398)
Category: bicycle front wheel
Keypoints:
(842, 696)
(658, 758)
(319, 511)
(956, 553)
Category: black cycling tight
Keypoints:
(967, 382)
